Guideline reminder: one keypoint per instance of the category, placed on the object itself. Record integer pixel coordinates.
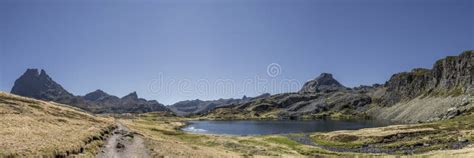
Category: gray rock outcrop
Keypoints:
(452, 75)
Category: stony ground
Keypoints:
(123, 143)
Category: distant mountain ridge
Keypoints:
(421, 95)
(39, 85)
(190, 107)
(442, 92)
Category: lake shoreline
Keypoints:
(392, 140)
(269, 127)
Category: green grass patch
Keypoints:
(253, 142)
(167, 132)
(345, 144)
(190, 137)
(315, 151)
(283, 140)
(211, 143)
(300, 148)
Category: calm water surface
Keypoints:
(277, 126)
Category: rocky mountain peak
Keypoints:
(43, 73)
(132, 96)
(35, 74)
(323, 83)
(96, 95)
(327, 79)
(31, 73)
(39, 85)
(325, 75)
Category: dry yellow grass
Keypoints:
(379, 131)
(30, 127)
(460, 153)
(33, 128)
(164, 139)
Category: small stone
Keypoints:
(120, 146)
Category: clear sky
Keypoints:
(184, 49)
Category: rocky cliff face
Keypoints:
(450, 76)
(454, 74)
(406, 86)
(420, 95)
(41, 86)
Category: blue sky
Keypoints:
(166, 50)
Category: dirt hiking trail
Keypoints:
(123, 144)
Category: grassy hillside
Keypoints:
(33, 128)
(452, 137)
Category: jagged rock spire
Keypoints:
(39, 85)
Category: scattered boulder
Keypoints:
(120, 146)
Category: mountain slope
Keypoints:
(41, 86)
(189, 107)
(452, 75)
(421, 95)
(34, 128)
(442, 92)
(328, 100)
(130, 103)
